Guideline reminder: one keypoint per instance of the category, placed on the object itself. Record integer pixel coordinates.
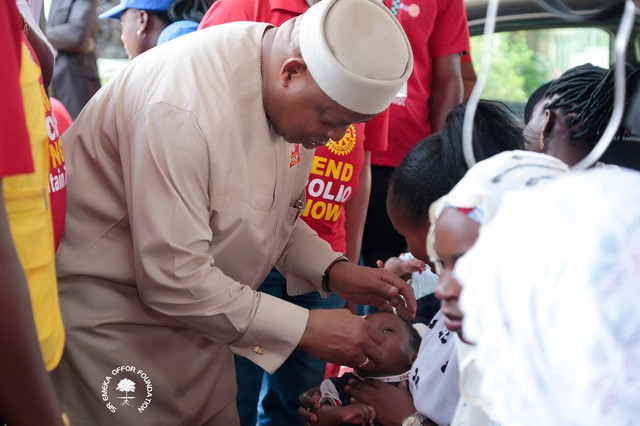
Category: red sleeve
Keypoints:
(15, 148)
(223, 11)
(376, 132)
(451, 31)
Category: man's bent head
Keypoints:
(341, 62)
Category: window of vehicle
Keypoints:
(521, 61)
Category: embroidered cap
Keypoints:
(116, 11)
(357, 53)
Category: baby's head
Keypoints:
(400, 345)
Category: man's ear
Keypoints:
(292, 68)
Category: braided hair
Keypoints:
(189, 10)
(436, 164)
(161, 15)
(584, 94)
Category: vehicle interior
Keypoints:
(533, 44)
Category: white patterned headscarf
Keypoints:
(480, 191)
(552, 299)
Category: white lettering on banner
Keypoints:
(321, 189)
(52, 128)
(57, 181)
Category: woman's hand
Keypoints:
(311, 411)
(358, 413)
(308, 403)
(391, 404)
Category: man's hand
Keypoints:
(338, 336)
(371, 286)
(392, 404)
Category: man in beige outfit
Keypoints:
(186, 180)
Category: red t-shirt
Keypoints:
(336, 167)
(434, 28)
(272, 11)
(15, 145)
(57, 171)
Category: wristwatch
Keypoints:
(412, 420)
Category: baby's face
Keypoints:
(398, 355)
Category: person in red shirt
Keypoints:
(57, 120)
(22, 370)
(337, 197)
(439, 35)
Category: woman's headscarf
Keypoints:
(552, 299)
(480, 192)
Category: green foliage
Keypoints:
(516, 68)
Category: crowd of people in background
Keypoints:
(266, 218)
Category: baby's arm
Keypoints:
(402, 266)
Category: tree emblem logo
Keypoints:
(126, 386)
(134, 387)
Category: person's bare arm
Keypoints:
(469, 78)
(22, 369)
(402, 268)
(446, 89)
(45, 56)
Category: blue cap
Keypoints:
(116, 12)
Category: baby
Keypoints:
(400, 345)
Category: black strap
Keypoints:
(560, 9)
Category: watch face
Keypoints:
(412, 420)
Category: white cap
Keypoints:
(357, 53)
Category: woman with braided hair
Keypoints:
(148, 23)
(573, 114)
